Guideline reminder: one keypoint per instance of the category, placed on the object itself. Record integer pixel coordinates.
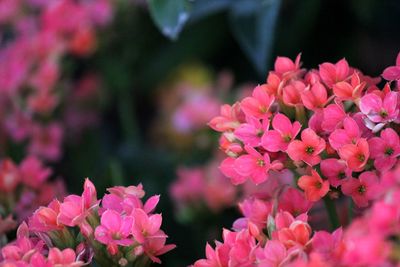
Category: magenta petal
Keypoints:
(245, 165)
(272, 141)
(391, 73)
(111, 220)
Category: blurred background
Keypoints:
(164, 68)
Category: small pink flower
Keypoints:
(314, 187)
(380, 109)
(253, 165)
(308, 149)
(385, 149)
(335, 170)
(255, 211)
(146, 226)
(228, 169)
(258, 105)
(272, 255)
(114, 230)
(250, 133)
(156, 246)
(348, 135)
(230, 118)
(392, 73)
(292, 200)
(66, 257)
(44, 219)
(9, 176)
(363, 189)
(291, 93)
(349, 90)
(315, 97)
(355, 155)
(334, 73)
(284, 65)
(333, 116)
(46, 141)
(284, 132)
(33, 173)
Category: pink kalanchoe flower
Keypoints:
(363, 189)
(250, 133)
(348, 135)
(349, 90)
(308, 149)
(290, 231)
(255, 211)
(291, 93)
(333, 116)
(392, 73)
(253, 165)
(292, 200)
(334, 73)
(33, 173)
(230, 118)
(146, 226)
(355, 155)
(259, 104)
(156, 246)
(284, 132)
(315, 97)
(329, 246)
(273, 254)
(228, 169)
(284, 65)
(385, 149)
(114, 230)
(335, 170)
(44, 219)
(66, 257)
(313, 185)
(379, 109)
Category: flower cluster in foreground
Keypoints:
(337, 132)
(117, 230)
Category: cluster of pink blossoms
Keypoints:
(117, 230)
(335, 130)
(23, 188)
(35, 37)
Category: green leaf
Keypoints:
(169, 15)
(253, 25)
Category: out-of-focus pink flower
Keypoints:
(363, 189)
(33, 173)
(355, 155)
(313, 185)
(308, 149)
(255, 211)
(385, 149)
(46, 141)
(334, 73)
(284, 132)
(114, 230)
(392, 73)
(9, 176)
(292, 200)
(273, 254)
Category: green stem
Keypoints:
(331, 209)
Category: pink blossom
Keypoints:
(348, 135)
(284, 132)
(292, 200)
(33, 173)
(335, 170)
(46, 141)
(291, 93)
(333, 116)
(308, 149)
(380, 109)
(9, 176)
(146, 226)
(315, 97)
(284, 65)
(229, 119)
(114, 230)
(255, 211)
(253, 165)
(362, 189)
(66, 257)
(156, 246)
(355, 155)
(272, 255)
(259, 104)
(385, 149)
(227, 168)
(250, 133)
(351, 90)
(334, 73)
(314, 187)
(393, 72)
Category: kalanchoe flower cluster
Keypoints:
(335, 130)
(23, 188)
(117, 230)
(35, 38)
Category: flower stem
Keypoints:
(332, 214)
